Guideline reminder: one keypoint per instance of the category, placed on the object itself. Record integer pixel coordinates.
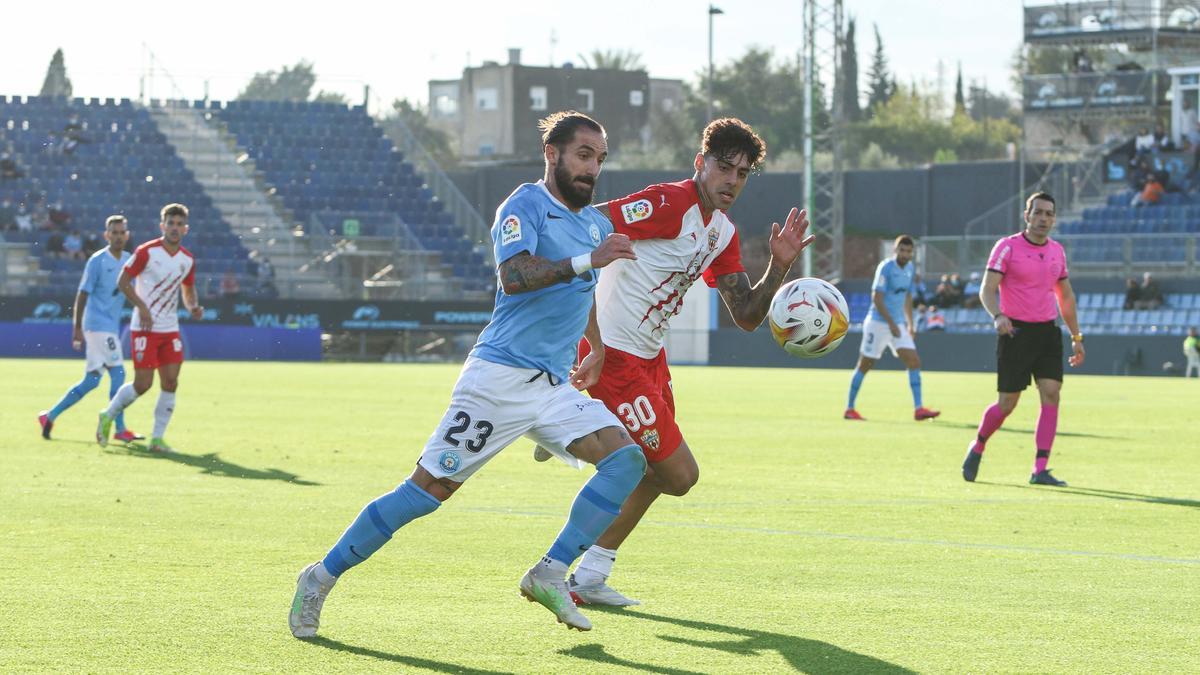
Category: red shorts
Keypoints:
(151, 350)
(638, 391)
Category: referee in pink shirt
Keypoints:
(1029, 272)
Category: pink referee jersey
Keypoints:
(1031, 273)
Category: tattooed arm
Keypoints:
(748, 305)
(524, 272)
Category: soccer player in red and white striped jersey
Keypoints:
(159, 272)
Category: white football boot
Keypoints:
(305, 617)
(542, 585)
(598, 594)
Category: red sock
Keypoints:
(1047, 425)
(993, 417)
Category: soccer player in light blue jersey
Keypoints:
(97, 327)
(890, 325)
(518, 380)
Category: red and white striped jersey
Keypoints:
(158, 276)
(635, 299)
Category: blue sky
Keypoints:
(397, 47)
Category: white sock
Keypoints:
(162, 412)
(323, 576)
(548, 565)
(125, 397)
(595, 566)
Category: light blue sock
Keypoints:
(914, 381)
(88, 383)
(855, 383)
(116, 378)
(598, 503)
(376, 523)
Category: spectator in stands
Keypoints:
(91, 244)
(72, 135)
(58, 216)
(230, 288)
(971, 292)
(946, 295)
(54, 246)
(1150, 296)
(936, 320)
(1162, 140)
(958, 284)
(1191, 349)
(1143, 144)
(73, 245)
(1132, 293)
(1082, 62)
(1151, 193)
(1189, 124)
(920, 291)
(24, 219)
(1140, 172)
(8, 215)
(9, 170)
(922, 318)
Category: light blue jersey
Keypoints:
(541, 329)
(894, 282)
(105, 301)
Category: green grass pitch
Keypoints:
(811, 544)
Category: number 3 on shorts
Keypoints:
(637, 414)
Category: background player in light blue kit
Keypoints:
(518, 379)
(890, 324)
(97, 328)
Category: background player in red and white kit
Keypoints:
(680, 233)
(163, 270)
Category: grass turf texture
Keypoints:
(810, 544)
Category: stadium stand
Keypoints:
(332, 166)
(81, 160)
(1099, 314)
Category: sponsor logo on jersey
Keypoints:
(595, 233)
(449, 461)
(635, 211)
(510, 230)
(650, 439)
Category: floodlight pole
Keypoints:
(712, 11)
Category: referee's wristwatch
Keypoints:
(1077, 337)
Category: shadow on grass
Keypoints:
(410, 661)
(209, 464)
(1019, 430)
(1109, 494)
(802, 654)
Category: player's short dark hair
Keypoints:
(173, 210)
(903, 240)
(113, 220)
(729, 137)
(1044, 196)
(558, 129)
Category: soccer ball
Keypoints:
(809, 317)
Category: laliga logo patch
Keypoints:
(635, 211)
(449, 461)
(595, 232)
(510, 230)
(650, 439)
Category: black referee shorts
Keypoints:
(1034, 351)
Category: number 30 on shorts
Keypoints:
(637, 414)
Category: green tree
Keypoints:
(331, 97)
(850, 106)
(881, 86)
(613, 59)
(290, 84)
(435, 141)
(960, 102)
(57, 83)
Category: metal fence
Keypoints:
(1089, 256)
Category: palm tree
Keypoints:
(612, 59)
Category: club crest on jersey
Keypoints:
(635, 211)
(713, 236)
(449, 461)
(595, 233)
(510, 230)
(650, 439)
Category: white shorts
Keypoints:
(102, 350)
(493, 405)
(877, 336)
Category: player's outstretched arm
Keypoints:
(525, 272)
(748, 304)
